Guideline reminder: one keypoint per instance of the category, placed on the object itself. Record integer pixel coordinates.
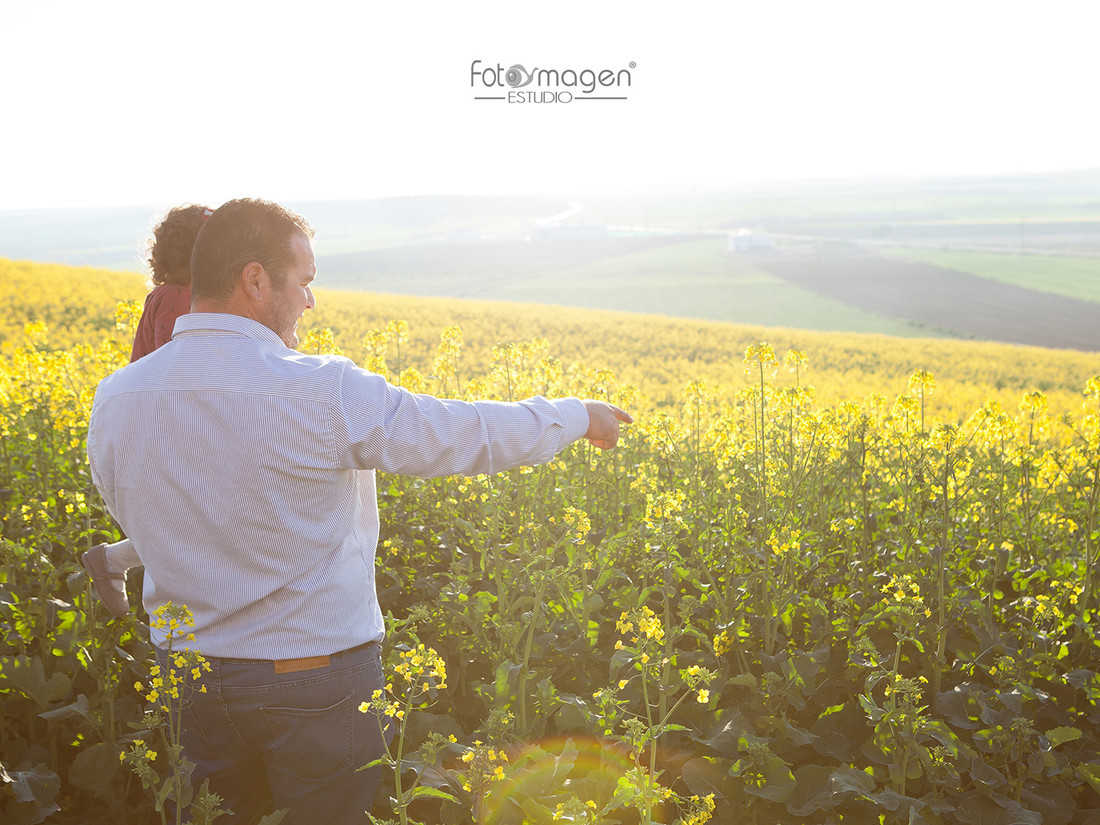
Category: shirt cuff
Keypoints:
(574, 416)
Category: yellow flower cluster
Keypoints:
(422, 670)
(320, 342)
(383, 706)
(922, 383)
(664, 509)
(1049, 608)
(662, 432)
(647, 623)
(185, 666)
(784, 541)
(578, 522)
(696, 394)
(905, 690)
(127, 315)
(696, 678)
(445, 363)
(397, 332)
(573, 810)
(484, 764)
(722, 643)
(1046, 608)
(903, 591)
(760, 359)
(423, 667)
(1033, 403)
(376, 343)
(796, 361)
(138, 750)
(700, 810)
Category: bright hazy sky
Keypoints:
(118, 103)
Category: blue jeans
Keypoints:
(268, 741)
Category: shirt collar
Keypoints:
(213, 322)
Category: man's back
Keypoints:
(218, 455)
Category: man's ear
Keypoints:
(254, 280)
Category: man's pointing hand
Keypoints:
(603, 423)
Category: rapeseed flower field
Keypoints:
(824, 578)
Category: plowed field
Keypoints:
(944, 299)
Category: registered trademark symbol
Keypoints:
(633, 64)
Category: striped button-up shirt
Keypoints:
(243, 471)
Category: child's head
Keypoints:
(170, 248)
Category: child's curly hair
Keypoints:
(173, 239)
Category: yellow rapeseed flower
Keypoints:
(922, 383)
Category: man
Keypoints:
(243, 472)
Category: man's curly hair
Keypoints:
(173, 239)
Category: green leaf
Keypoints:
(1055, 802)
(78, 708)
(27, 674)
(851, 780)
(1090, 773)
(779, 782)
(891, 800)
(840, 731)
(812, 792)
(1058, 736)
(506, 675)
(441, 778)
(573, 713)
(873, 711)
(37, 787)
(743, 680)
(986, 775)
(661, 730)
(958, 708)
(533, 811)
(995, 810)
(93, 768)
(431, 793)
(619, 660)
(705, 774)
(726, 740)
(626, 790)
(943, 734)
(798, 736)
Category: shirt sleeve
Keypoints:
(380, 426)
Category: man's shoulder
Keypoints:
(306, 362)
(235, 363)
(322, 377)
(125, 375)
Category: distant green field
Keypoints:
(1041, 199)
(695, 279)
(1077, 278)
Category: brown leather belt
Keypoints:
(314, 662)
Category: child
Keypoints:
(170, 263)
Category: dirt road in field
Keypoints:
(943, 299)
